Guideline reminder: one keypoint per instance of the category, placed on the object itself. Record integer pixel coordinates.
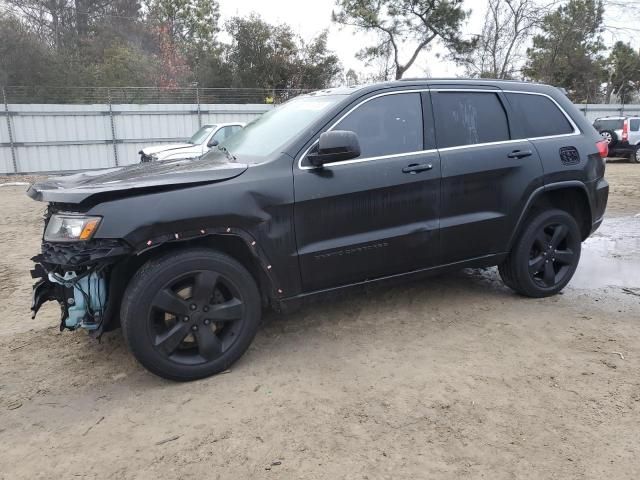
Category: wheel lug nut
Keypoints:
(185, 319)
(194, 328)
(207, 321)
(205, 309)
(193, 306)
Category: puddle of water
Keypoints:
(611, 256)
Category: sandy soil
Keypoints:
(453, 377)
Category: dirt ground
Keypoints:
(452, 377)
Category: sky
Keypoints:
(310, 17)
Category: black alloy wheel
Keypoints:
(545, 255)
(195, 318)
(190, 314)
(551, 256)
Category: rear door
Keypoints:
(634, 131)
(375, 215)
(487, 174)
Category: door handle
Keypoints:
(414, 168)
(520, 154)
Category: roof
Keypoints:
(425, 82)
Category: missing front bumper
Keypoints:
(82, 298)
(78, 277)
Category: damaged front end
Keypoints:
(78, 275)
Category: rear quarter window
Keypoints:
(634, 124)
(538, 116)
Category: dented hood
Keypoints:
(134, 179)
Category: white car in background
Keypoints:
(208, 136)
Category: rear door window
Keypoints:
(468, 118)
(387, 125)
(538, 116)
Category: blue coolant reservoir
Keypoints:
(89, 300)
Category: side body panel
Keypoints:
(364, 220)
(587, 169)
(483, 193)
(258, 203)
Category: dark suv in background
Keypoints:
(332, 189)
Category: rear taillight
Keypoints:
(625, 131)
(603, 148)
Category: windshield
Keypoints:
(269, 132)
(201, 135)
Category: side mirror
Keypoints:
(335, 146)
(213, 143)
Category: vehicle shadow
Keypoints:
(416, 304)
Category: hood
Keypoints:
(163, 148)
(134, 179)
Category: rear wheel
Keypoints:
(634, 157)
(609, 136)
(545, 256)
(191, 314)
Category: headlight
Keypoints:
(70, 228)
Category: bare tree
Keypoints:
(617, 14)
(501, 45)
(404, 26)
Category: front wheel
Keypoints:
(191, 314)
(634, 157)
(545, 256)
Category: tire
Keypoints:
(545, 255)
(610, 137)
(634, 156)
(191, 314)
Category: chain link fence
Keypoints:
(146, 95)
(48, 129)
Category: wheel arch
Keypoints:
(238, 246)
(570, 196)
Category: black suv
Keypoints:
(330, 190)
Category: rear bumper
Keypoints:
(600, 198)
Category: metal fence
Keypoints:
(595, 110)
(47, 137)
(145, 95)
(52, 129)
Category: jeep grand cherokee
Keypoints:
(332, 189)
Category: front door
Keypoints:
(378, 214)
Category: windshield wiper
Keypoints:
(227, 153)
